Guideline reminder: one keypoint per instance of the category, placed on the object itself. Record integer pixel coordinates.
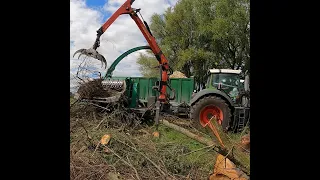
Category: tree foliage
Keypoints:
(198, 35)
(148, 64)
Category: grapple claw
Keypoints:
(79, 55)
(79, 51)
(102, 59)
(92, 53)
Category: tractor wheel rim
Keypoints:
(208, 112)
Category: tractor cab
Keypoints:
(226, 80)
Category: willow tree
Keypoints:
(198, 35)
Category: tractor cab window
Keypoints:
(229, 83)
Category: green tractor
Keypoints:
(226, 97)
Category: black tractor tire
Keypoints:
(208, 101)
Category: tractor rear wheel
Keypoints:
(207, 107)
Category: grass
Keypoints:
(72, 100)
(195, 152)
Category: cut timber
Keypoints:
(105, 139)
(205, 141)
(155, 134)
(219, 177)
(245, 143)
(224, 168)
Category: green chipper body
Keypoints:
(139, 89)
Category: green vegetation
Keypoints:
(72, 100)
(194, 152)
(202, 34)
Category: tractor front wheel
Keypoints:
(207, 107)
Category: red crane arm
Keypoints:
(164, 64)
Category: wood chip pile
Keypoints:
(177, 74)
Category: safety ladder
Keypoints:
(241, 112)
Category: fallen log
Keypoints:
(184, 131)
(223, 151)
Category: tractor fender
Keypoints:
(206, 92)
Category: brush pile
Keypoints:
(131, 153)
(93, 88)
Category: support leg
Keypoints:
(157, 116)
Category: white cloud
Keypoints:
(121, 36)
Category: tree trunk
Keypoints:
(189, 134)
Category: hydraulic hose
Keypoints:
(116, 62)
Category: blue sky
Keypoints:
(95, 3)
(98, 4)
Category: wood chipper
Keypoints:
(224, 97)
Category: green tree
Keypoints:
(148, 64)
(198, 35)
